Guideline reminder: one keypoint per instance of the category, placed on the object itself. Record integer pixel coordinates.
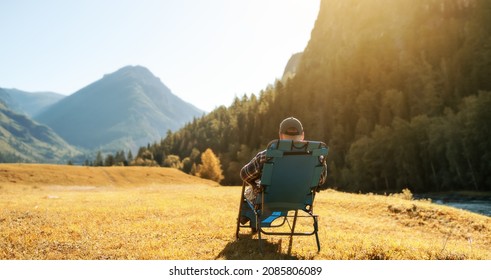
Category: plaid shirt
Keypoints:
(251, 172)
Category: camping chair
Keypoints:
(289, 181)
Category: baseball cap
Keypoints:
(291, 126)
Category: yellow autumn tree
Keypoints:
(210, 167)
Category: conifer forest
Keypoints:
(399, 90)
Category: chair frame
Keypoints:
(261, 210)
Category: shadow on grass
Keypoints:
(247, 248)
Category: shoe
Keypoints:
(243, 220)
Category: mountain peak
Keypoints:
(128, 108)
(136, 71)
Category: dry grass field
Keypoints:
(74, 212)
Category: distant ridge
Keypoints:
(123, 110)
(23, 140)
(29, 103)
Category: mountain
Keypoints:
(291, 67)
(123, 110)
(29, 103)
(23, 140)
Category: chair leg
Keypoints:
(258, 228)
(316, 229)
(292, 232)
(240, 210)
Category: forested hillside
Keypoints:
(399, 90)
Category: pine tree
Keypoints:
(129, 158)
(109, 161)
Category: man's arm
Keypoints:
(252, 171)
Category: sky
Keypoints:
(206, 52)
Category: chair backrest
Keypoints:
(291, 173)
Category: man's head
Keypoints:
(292, 129)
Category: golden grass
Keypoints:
(70, 212)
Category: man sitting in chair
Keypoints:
(290, 129)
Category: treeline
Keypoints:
(451, 151)
(399, 90)
(235, 134)
(120, 158)
(208, 168)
